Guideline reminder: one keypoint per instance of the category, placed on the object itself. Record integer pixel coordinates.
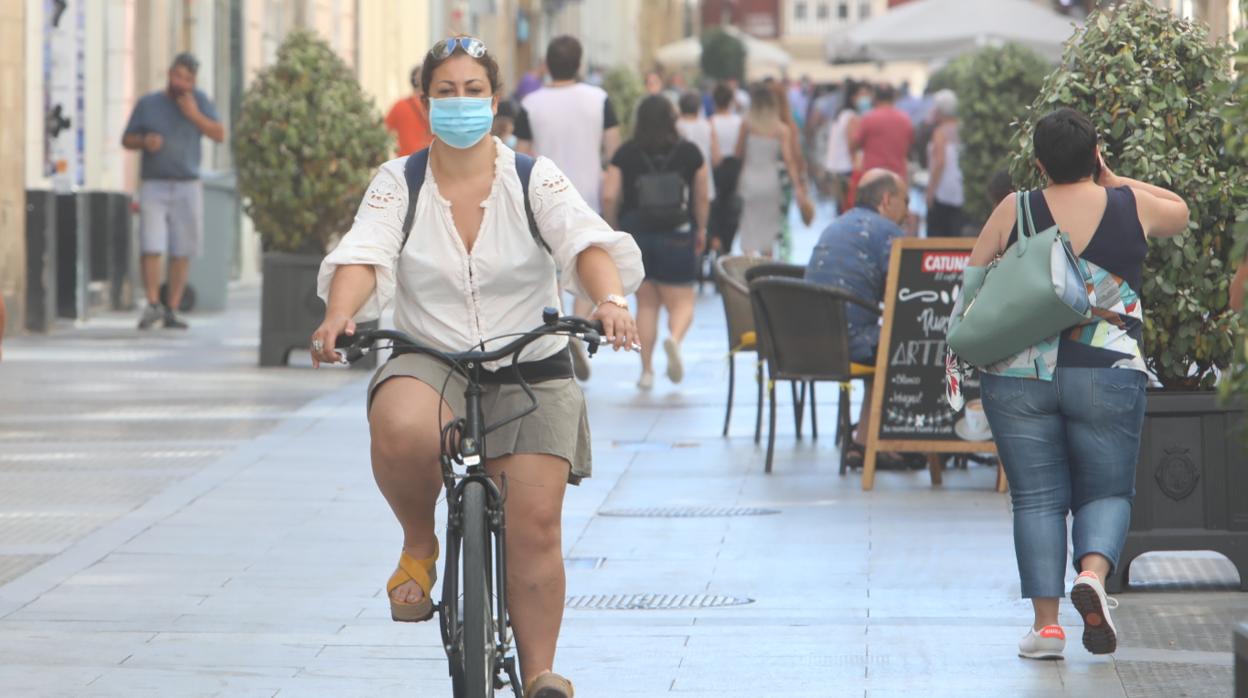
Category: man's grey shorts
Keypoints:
(171, 217)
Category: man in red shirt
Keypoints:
(885, 135)
(408, 120)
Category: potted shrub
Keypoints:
(1157, 89)
(306, 144)
(994, 86)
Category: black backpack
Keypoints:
(662, 195)
(414, 173)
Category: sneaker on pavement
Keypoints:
(1088, 595)
(580, 361)
(151, 314)
(1045, 643)
(172, 322)
(675, 368)
(646, 381)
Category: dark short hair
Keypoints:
(486, 61)
(414, 78)
(690, 102)
(563, 57)
(655, 128)
(186, 60)
(723, 95)
(1065, 144)
(1000, 186)
(885, 93)
(871, 194)
(507, 109)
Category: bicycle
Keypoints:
(478, 643)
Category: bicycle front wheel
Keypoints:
(479, 647)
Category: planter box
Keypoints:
(290, 310)
(1241, 661)
(1190, 482)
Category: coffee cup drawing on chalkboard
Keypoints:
(974, 424)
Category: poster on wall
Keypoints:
(63, 42)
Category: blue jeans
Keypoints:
(1067, 445)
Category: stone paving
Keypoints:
(177, 522)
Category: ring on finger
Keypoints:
(318, 345)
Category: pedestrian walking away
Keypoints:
(726, 170)
(764, 146)
(483, 262)
(945, 195)
(839, 158)
(408, 120)
(574, 125)
(1066, 414)
(656, 189)
(167, 126)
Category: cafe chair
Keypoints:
(803, 333)
(791, 271)
(734, 291)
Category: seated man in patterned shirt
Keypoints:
(852, 253)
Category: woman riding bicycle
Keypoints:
(470, 271)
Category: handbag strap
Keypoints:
(1026, 225)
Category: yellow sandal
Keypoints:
(424, 573)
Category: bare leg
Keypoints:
(647, 322)
(179, 270)
(1094, 562)
(1046, 612)
(679, 301)
(536, 581)
(405, 464)
(151, 277)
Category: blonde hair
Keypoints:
(764, 114)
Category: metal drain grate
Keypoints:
(688, 512)
(652, 602)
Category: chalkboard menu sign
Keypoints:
(909, 412)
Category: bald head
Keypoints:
(884, 192)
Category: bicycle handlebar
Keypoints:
(588, 331)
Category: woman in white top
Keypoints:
(726, 169)
(840, 156)
(945, 195)
(471, 272)
(698, 131)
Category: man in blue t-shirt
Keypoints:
(853, 252)
(166, 126)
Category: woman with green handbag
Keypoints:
(1066, 413)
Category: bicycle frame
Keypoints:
(472, 451)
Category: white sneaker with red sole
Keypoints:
(1088, 595)
(1045, 643)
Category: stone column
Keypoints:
(13, 162)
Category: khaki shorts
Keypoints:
(559, 427)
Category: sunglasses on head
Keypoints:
(471, 45)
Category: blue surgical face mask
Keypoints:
(461, 122)
(863, 104)
(510, 141)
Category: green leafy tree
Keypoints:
(306, 145)
(1156, 88)
(1235, 125)
(723, 55)
(624, 89)
(995, 86)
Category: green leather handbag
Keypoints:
(1031, 292)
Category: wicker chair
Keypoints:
(803, 336)
(730, 273)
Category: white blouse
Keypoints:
(453, 300)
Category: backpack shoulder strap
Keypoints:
(414, 173)
(524, 169)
